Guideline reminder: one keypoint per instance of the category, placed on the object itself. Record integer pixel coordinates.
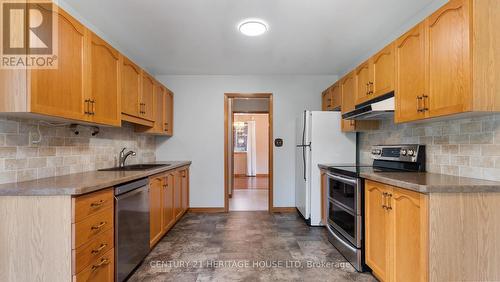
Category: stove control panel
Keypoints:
(402, 153)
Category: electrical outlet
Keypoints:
(35, 137)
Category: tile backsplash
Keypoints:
(468, 147)
(62, 152)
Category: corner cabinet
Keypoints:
(169, 201)
(396, 233)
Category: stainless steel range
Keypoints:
(346, 195)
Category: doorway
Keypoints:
(248, 150)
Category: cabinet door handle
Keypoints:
(87, 107)
(425, 108)
(98, 250)
(384, 197)
(389, 206)
(97, 227)
(93, 107)
(103, 262)
(370, 88)
(97, 204)
(419, 108)
(367, 89)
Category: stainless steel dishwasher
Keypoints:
(131, 226)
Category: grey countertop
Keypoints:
(81, 183)
(424, 182)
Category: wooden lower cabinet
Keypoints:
(103, 269)
(396, 223)
(169, 200)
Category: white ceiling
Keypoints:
(200, 36)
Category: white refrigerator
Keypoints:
(319, 140)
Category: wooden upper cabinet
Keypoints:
(336, 96)
(160, 108)
(325, 100)
(131, 88)
(61, 92)
(105, 82)
(449, 85)
(377, 230)
(362, 81)
(410, 75)
(169, 113)
(348, 85)
(147, 109)
(382, 72)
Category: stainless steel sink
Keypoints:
(135, 167)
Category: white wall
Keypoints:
(199, 128)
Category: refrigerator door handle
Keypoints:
(304, 159)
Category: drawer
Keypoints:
(92, 226)
(100, 270)
(87, 205)
(91, 251)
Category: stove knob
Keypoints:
(403, 152)
(411, 153)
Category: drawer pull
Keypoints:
(96, 227)
(102, 263)
(98, 250)
(97, 204)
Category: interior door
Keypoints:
(148, 86)
(376, 229)
(61, 92)
(449, 59)
(105, 73)
(131, 88)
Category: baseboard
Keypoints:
(284, 209)
(206, 210)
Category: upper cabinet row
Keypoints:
(93, 83)
(447, 64)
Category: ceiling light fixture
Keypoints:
(253, 27)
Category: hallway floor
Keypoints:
(245, 182)
(249, 200)
(246, 246)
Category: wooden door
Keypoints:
(61, 92)
(325, 103)
(148, 84)
(410, 75)
(131, 88)
(105, 83)
(376, 230)
(409, 224)
(382, 72)
(177, 195)
(348, 98)
(362, 80)
(169, 113)
(155, 209)
(167, 197)
(448, 60)
(185, 189)
(160, 106)
(336, 96)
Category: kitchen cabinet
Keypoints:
(382, 72)
(410, 74)
(177, 195)
(396, 223)
(131, 88)
(362, 84)
(336, 95)
(147, 97)
(160, 103)
(168, 203)
(185, 189)
(156, 206)
(326, 100)
(348, 89)
(169, 112)
(103, 103)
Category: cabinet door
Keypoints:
(177, 195)
(382, 72)
(376, 230)
(185, 189)
(160, 106)
(410, 75)
(362, 79)
(449, 59)
(155, 209)
(336, 95)
(325, 105)
(131, 88)
(409, 224)
(61, 92)
(105, 73)
(168, 203)
(348, 97)
(148, 85)
(169, 113)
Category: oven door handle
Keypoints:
(342, 179)
(340, 239)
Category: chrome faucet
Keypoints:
(123, 157)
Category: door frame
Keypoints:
(270, 160)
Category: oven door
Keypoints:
(346, 222)
(345, 191)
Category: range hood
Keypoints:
(376, 109)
